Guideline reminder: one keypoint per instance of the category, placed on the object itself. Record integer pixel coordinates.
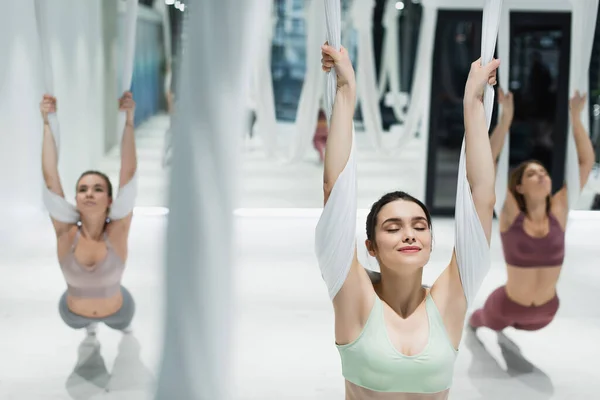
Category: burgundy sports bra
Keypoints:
(522, 250)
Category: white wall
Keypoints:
(77, 63)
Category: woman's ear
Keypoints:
(519, 189)
(370, 248)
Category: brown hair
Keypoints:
(516, 178)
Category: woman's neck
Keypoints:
(536, 211)
(402, 292)
(93, 228)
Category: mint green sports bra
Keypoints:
(372, 362)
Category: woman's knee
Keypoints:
(492, 314)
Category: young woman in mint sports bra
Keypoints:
(532, 229)
(396, 338)
(93, 250)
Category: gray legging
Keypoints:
(119, 320)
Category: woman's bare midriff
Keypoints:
(532, 286)
(355, 392)
(95, 308)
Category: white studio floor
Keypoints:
(284, 345)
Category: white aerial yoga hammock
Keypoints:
(367, 90)
(261, 89)
(361, 15)
(584, 13)
(166, 31)
(501, 184)
(389, 69)
(310, 97)
(583, 26)
(58, 207)
(312, 90)
(207, 127)
(335, 236)
(471, 245)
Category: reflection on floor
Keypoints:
(284, 345)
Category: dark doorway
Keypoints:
(540, 47)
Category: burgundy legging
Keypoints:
(500, 312)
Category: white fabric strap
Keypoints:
(166, 30)
(471, 246)
(58, 207)
(419, 94)
(168, 80)
(502, 166)
(125, 202)
(314, 83)
(583, 26)
(310, 97)
(366, 83)
(123, 205)
(390, 63)
(335, 233)
(41, 19)
(196, 361)
(392, 143)
(261, 90)
(333, 23)
(131, 10)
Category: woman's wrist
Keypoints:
(348, 90)
(470, 101)
(505, 122)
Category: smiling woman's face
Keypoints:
(402, 236)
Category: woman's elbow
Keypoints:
(127, 174)
(484, 198)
